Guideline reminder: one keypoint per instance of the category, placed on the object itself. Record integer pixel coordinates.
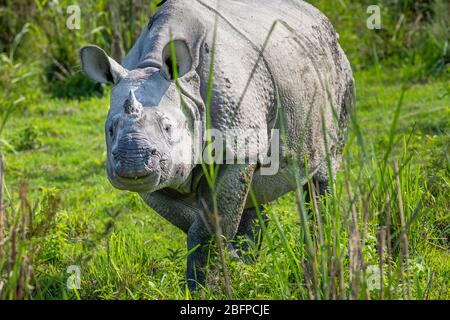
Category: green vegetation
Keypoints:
(60, 210)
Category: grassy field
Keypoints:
(384, 233)
(124, 250)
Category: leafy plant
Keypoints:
(28, 139)
(13, 77)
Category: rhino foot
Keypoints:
(249, 237)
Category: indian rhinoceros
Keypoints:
(233, 66)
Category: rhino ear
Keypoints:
(98, 66)
(183, 59)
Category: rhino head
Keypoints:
(151, 129)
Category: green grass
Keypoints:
(125, 250)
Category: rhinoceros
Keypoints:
(232, 66)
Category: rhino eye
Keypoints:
(168, 127)
(111, 131)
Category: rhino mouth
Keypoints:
(148, 182)
(140, 183)
(145, 183)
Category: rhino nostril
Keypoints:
(153, 152)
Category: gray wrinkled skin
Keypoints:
(148, 127)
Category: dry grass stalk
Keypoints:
(19, 247)
(214, 216)
(429, 284)
(309, 268)
(354, 248)
(404, 255)
(388, 243)
(308, 282)
(314, 197)
(220, 245)
(381, 244)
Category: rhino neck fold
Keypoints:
(197, 110)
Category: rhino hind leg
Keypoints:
(320, 188)
(249, 237)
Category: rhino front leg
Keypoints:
(198, 239)
(229, 195)
(249, 234)
(178, 212)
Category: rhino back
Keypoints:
(298, 58)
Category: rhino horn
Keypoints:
(132, 106)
